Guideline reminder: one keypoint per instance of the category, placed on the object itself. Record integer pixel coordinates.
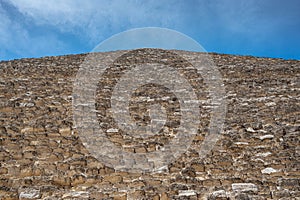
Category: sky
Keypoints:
(37, 28)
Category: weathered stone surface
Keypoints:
(269, 170)
(244, 187)
(113, 178)
(220, 194)
(187, 193)
(29, 193)
(257, 156)
(65, 131)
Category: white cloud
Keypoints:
(15, 39)
(55, 12)
(8, 33)
(92, 20)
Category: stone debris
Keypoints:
(42, 155)
(266, 137)
(270, 104)
(29, 194)
(112, 130)
(186, 193)
(251, 130)
(269, 170)
(263, 154)
(241, 143)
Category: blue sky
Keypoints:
(36, 28)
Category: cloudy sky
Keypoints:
(36, 28)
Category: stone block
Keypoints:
(244, 187)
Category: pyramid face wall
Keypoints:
(257, 156)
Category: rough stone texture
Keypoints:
(257, 157)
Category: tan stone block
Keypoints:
(5, 195)
(13, 147)
(199, 138)
(54, 158)
(216, 171)
(138, 194)
(92, 172)
(94, 164)
(109, 170)
(199, 167)
(151, 147)
(136, 184)
(14, 171)
(77, 162)
(43, 155)
(65, 131)
(4, 156)
(25, 172)
(29, 148)
(61, 181)
(71, 172)
(190, 172)
(77, 180)
(39, 130)
(3, 170)
(92, 181)
(63, 166)
(140, 150)
(292, 174)
(122, 196)
(164, 196)
(49, 168)
(98, 195)
(224, 163)
(27, 130)
(174, 170)
(55, 136)
(113, 178)
(129, 149)
(28, 155)
(154, 182)
(211, 183)
(37, 172)
(54, 144)
(226, 182)
(39, 103)
(6, 109)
